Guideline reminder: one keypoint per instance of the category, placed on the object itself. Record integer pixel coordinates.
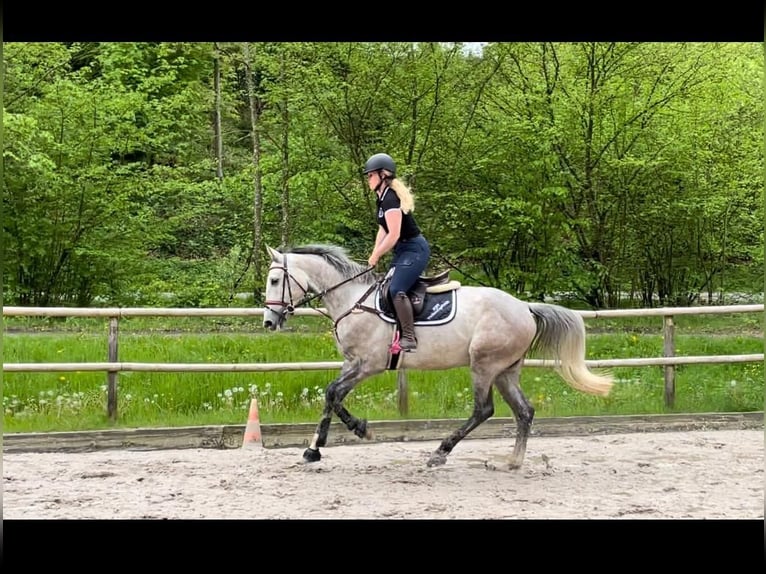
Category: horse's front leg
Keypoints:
(336, 391)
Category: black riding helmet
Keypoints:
(380, 161)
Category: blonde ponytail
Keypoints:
(405, 195)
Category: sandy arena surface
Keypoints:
(698, 474)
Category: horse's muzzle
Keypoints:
(272, 320)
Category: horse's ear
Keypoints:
(276, 256)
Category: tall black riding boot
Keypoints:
(404, 312)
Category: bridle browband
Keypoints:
(288, 307)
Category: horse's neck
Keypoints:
(337, 300)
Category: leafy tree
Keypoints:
(134, 170)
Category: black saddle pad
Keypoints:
(438, 308)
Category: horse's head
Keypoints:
(286, 285)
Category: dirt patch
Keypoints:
(697, 474)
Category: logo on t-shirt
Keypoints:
(380, 212)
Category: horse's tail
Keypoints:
(561, 332)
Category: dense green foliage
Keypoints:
(155, 173)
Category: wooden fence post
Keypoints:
(669, 350)
(401, 385)
(111, 376)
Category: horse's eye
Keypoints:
(274, 281)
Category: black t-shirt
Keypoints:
(389, 200)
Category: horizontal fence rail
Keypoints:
(257, 312)
(331, 366)
(114, 366)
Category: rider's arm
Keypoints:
(387, 242)
(380, 236)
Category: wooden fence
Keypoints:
(113, 366)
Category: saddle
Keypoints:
(440, 283)
(434, 302)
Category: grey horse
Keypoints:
(490, 331)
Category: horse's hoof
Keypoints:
(311, 455)
(436, 460)
(362, 431)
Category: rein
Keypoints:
(358, 304)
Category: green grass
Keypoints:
(77, 400)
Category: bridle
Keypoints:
(288, 307)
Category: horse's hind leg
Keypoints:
(483, 408)
(507, 384)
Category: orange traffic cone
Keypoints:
(252, 437)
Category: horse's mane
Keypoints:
(337, 257)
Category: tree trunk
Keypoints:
(285, 154)
(255, 113)
(218, 135)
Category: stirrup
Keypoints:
(403, 345)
